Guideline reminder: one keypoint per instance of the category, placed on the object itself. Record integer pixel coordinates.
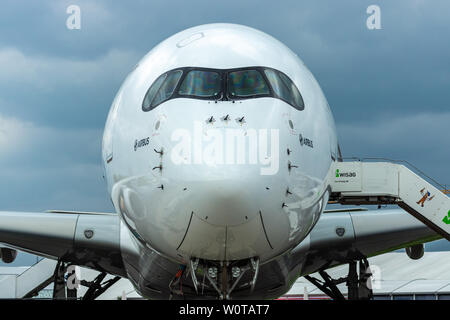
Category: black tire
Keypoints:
(415, 252)
(8, 255)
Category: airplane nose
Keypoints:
(219, 220)
(224, 203)
(226, 221)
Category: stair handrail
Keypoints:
(443, 188)
(34, 264)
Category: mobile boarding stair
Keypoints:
(382, 183)
(28, 283)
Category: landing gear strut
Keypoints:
(358, 285)
(231, 276)
(60, 283)
(219, 278)
(95, 288)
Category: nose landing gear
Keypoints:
(224, 277)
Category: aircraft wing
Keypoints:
(92, 239)
(341, 237)
(82, 238)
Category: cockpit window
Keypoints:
(162, 89)
(152, 92)
(200, 83)
(246, 83)
(167, 87)
(284, 88)
(222, 84)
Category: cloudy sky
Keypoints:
(389, 89)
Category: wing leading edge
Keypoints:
(84, 239)
(341, 237)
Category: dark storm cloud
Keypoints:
(388, 88)
(416, 138)
(401, 68)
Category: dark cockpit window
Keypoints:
(246, 83)
(162, 89)
(284, 88)
(222, 84)
(202, 84)
(167, 87)
(152, 92)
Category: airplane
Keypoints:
(217, 154)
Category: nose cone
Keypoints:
(214, 220)
(226, 222)
(224, 203)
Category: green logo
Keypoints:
(446, 219)
(337, 173)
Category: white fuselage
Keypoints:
(219, 180)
